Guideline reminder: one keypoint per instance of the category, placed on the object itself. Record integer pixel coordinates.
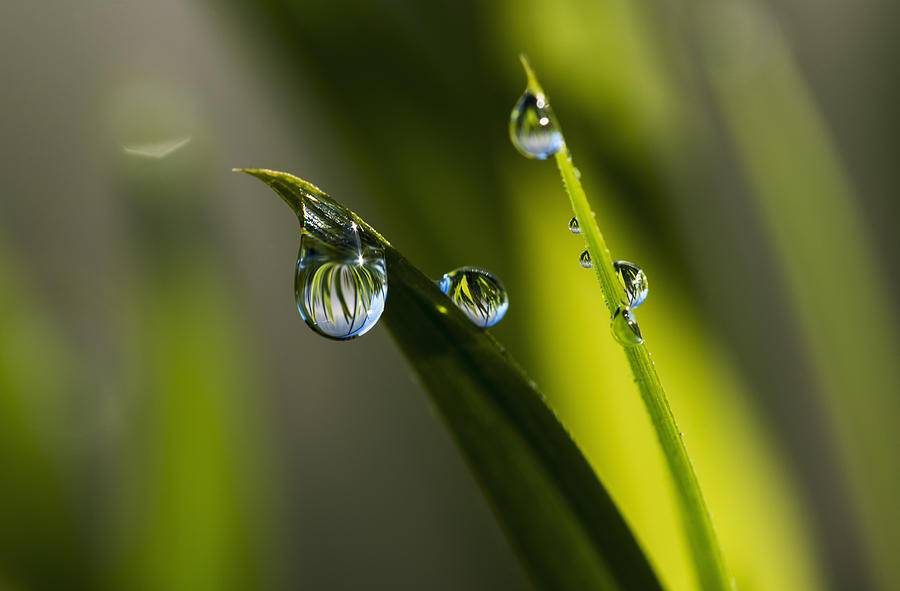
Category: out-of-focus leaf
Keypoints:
(40, 545)
(559, 517)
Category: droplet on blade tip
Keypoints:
(533, 128)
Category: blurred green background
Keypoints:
(168, 422)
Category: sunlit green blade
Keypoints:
(709, 562)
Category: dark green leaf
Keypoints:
(558, 516)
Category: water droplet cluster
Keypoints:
(535, 133)
(623, 324)
(341, 281)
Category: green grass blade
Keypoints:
(709, 562)
(557, 514)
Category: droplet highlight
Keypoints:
(478, 293)
(625, 328)
(574, 227)
(634, 280)
(585, 260)
(533, 128)
(340, 290)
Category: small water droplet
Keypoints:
(577, 173)
(478, 293)
(532, 127)
(573, 226)
(634, 280)
(625, 328)
(340, 291)
(585, 260)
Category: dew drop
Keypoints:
(577, 173)
(634, 281)
(625, 328)
(585, 259)
(340, 291)
(574, 227)
(478, 293)
(532, 127)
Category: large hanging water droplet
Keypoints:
(533, 128)
(585, 259)
(340, 289)
(574, 227)
(634, 281)
(478, 293)
(625, 328)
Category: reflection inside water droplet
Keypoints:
(574, 227)
(625, 328)
(585, 260)
(634, 281)
(340, 289)
(478, 293)
(532, 127)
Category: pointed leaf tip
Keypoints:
(287, 186)
(529, 73)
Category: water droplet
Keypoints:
(625, 328)
(340, 290)
(577, 173)
(574, 227)
(585, 259)
(478, 293)
(532, 127)
(634, 281)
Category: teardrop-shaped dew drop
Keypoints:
(577, 173)
(574, 227)
(340, 290)
(634, 280)
(533, 128)
(585, 260)
(478, 293)
(625, 328)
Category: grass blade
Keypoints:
(557, 514)
(709, 562)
